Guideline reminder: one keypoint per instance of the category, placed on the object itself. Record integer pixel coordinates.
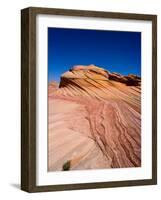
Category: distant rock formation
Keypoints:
(93, 72)
(53, 86)
(94, 120)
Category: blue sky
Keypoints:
(116, 51)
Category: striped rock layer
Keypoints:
(94, 120)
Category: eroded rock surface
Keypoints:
(94, 120)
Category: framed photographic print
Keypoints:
(88, 99)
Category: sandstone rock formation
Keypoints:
(53, 86)
(94, 120)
